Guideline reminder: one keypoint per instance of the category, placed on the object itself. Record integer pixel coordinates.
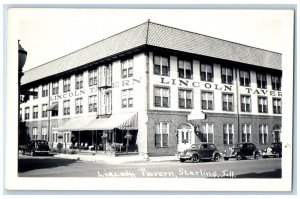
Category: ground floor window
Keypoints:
(246, 133)
(228, 134)
(34, 133)
(44, 133)
(263, 134)
(66, 137)
(162, 134)
(207, 133)
(54, 137)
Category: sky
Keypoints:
(47, 34)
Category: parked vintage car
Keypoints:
(242, 151)
(197, 152)
(275, 150)
(36, 147)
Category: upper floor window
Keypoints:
(262, 105)
(55, 88)
(27, 112)
(105, 75)
(45, 90)
(276, 83)
(185, 69)
(263, 134)
(78, 106)
(227, 99)
(66, 107)
(227, 75)
(67, 84)
(36, 89)
(207, 100)
(161, 96)
(245, 103)
(246, 133)
(35, 112)
(44, 110)
(276, 106)
(162, 134)
(161, 66)
(185, 98)
(127, 98)
(127, 68)
(54, 110)
(228, 134)
(244, 78)
(93, 103)
(78, 81)
(206, 72)
(261, 80)
(93, 77)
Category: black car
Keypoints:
(274, 151)
(36, 147)
(242, 151)
(197, 152)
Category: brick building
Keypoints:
(167, 88)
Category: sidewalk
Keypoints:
(106, 159)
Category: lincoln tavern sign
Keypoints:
(163, 80)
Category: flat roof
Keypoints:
(157, 35)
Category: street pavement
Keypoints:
(167, 167)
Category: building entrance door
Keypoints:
(185, 137)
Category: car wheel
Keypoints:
(32, 153)
(195, 158)
(256, 156)
(182, 160)
(226, 158)
(277, 155)
(217, 158)
(238, 157)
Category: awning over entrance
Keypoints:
(53, 106)
(125, 121)
(76, 124)
(196, 115)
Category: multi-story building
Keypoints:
(168, 88)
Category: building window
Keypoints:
(44, 133)
(44, 110)
(35, 112)
(244, 78)
(54, 110)
(66, 107)
(185, 98)
(106, 106)
(206, 72)
(207, 100)
(55, 88)
(66, 137)
(246, 133)
(45, 90)
(67, 84)
(276, 106)
(185, 69)
(263, 134)
(20, 114)
(27, 112)
(207, 134)
(227, 99)
(162, 134)
(35, 96)
(261, 80)
(78, 106)
(93, 103)
(161, 66)
(228, 134)
(93, 77)
(262, 105)
(227, 75)
(54, 136)
(105, 75)
(34, 133)
(79, 81)
(161, 96)
(245, 103)
(127, 98)
(127, 68)
(276, 83)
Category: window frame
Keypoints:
(66, 84)
(227, 102)
(204, 73)
(261, 80)
(161, 57)
(244, 83)
(79, 81)
(245, 106)
(27, 115)
(161, 96)
(276, 85)
(184, 68)
(92, 102)
(34, 133)
(227, 134)
(55, 88)
(206, 132)
(93, 77)
(160, 144)
(66, 107)
(262, 108)
(206, 97)
(128, 99)
(185, 98)
(44, 111)
(36, 89)
(276, 110)
(226, 75)
(44, 133)
(35, 112)
(263, 133)
(126, 68)
(45, 90)
(246, 130)
(79, 105)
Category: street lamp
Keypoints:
(22, 55)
